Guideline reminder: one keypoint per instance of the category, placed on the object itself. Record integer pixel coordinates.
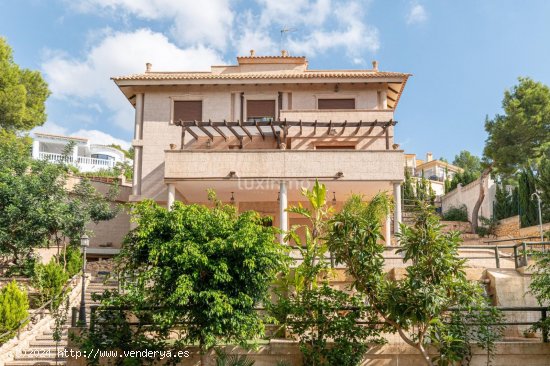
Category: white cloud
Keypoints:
(193, 22)
(417, 14)
(117, 54)
(95, 136)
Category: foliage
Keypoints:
(324, 319)
(115, 172)
(408, 187)
(23, 94)
(224, 359)
(14, 306)
(527, 205)
(463, 178)
(540, 285)
(326, 322)
(205, 267)
(36, 207)
(488, 227)
(468, 162)
(49, 279)
(506, 204)
(456, 214)
(522, 134)
(418, 306)
(543, 183)
(424, 191)
(72, 260)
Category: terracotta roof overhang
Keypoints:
(395, 80)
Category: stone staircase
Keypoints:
(43, 349)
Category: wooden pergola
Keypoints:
(278, 128)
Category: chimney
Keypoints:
(284, 53)
(429, 157)
(252, 53)
(148, 67)
(375, 65)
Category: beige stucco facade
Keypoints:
(264, 163)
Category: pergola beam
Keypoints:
(206, 132)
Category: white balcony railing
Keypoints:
(82, 161)
(54, 158)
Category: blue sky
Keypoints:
(462, 54)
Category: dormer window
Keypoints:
(348, 103)
(260, 110)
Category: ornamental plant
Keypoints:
(14, 306)
(435, 308)
(193, 275)
(326, 321)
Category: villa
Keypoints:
(258, 131)
(434, 170)
(84, 156)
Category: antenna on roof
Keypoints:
(284, 32)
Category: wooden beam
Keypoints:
(358, 127)
(260, 130)
(315, 128)
(371, 128)
(387, 137)
(390, 98)
(393, 90)
(300, 127)
(329, 127)
(232, 130)
(192, 133)
(343, 128)
(218, 130)
(206, 132)
(245, 131)
(182, 138)
(272, 128)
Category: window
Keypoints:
(102, 156)
(187, 110)
(260, 110)
(336, 104)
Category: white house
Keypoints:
(85, 156)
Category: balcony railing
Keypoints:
(81, 160)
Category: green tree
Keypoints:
(23, 94)
(468, 162)
(540, 285)
(408, 187)
(36, 206)
(14, 306)
(543, 183)
(505, 203)
(420, 306)
(49, 279)
(207, 268)
(522, 134)
(527, 204)
(324, 319)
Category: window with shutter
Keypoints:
(188, 110)
(260, 110)
(336, 104)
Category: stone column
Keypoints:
(171, 196)
(397, 211)
(388, 230)
(283, 215)
(138, 134)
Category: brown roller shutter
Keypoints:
(336, 104)
(188, 110)
(260, 109)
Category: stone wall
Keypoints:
(463, 227)
(508, 354)
(508, 227)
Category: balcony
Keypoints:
(84, 163)
(343, 165)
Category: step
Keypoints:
(38, 356)
(46, 343)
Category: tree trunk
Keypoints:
(480, 198)
(425, 355)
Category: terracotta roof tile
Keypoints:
(264, 75)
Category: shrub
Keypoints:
(49, 279)
(14, 306)
(73, 261)
(488, 227)
(25, 269)
(456, 214)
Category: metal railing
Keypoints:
(96, 319)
